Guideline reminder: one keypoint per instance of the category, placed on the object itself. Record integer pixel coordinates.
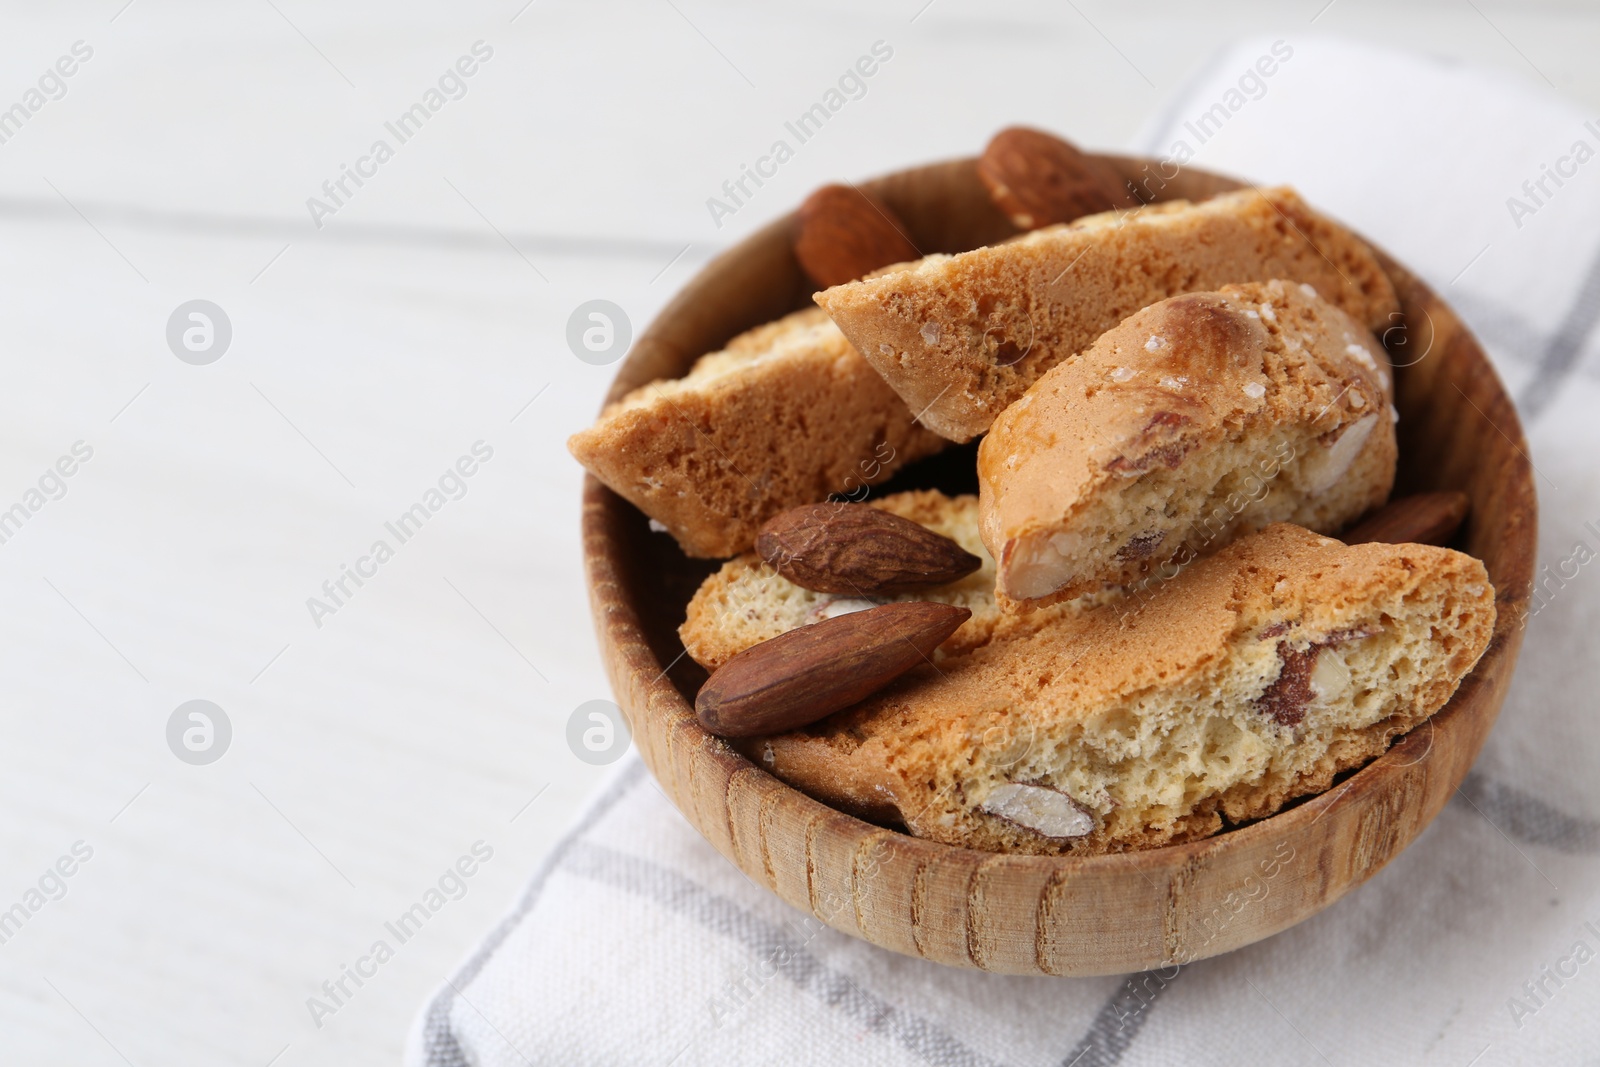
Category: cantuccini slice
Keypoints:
(789, 413)
(961, 337)
(1195, 420)
(1251, 678)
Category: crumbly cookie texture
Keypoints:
(787, 414)
(1195, 420)
(747, 601)
(1252, 677)
(961, 337)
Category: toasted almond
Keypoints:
(859, 550)
(1285, 699)
(1304, 671)
(807, 674)
(1038, 179)
(842, 234)
(1425, 518)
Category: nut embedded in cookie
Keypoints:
(1253, 677)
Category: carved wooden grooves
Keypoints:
(1041, 915)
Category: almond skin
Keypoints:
(1039, 180)
(859, 550)
(1285, 700)
(807, 674)
(841, 234)
(1424, 519)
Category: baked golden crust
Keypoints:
(961, 337)
(787, 414)
(1197, 419)
(1159, 717)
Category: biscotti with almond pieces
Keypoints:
(747, 602)
(1255, 676)
(1195, 420)
(788, 413)
(960, 337)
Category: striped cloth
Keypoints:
(637, 943)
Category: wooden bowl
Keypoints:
(1055, 915)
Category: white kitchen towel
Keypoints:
(636, 943)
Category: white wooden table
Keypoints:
(375, 743)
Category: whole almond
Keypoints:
(1425, 518)
(1039, 180)
(841, 234)
(809, 673)
(860, 550)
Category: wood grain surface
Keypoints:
(1057, 915)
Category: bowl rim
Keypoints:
(670, 738)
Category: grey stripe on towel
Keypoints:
(1119, 1020)
(1561, 355)
(766, 941)
(1525, 817)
